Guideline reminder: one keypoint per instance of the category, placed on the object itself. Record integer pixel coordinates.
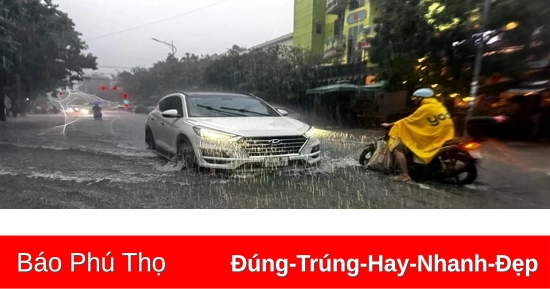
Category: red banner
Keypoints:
(275, 262)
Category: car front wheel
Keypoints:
(149, 139)
(187, 156)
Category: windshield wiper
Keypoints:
(244, 110)
(219, 111)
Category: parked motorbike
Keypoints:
(458, 157)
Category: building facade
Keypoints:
(336, 29)
(285, 40)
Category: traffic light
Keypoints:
(125, 95)
(115, 87)
(126, 101)
(103, 88)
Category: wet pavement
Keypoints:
(105, 164)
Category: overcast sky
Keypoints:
(206, 31)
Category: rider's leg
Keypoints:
(401, 160)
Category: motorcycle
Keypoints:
(98, 115)
(445, 164)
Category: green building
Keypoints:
(337, 29)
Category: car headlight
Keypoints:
(85, 111)
(214, 135)
(311, 132)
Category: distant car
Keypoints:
(229, 131)
(78, 110)
(141, 109)
(122, 107)
(291, 113)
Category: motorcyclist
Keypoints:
(423, 133)
(96, 110)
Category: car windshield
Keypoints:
(219, 105)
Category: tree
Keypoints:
(433, 43)
(278, 73)
(402, 37)
(49, 53)
(165, 76)
(8, 49)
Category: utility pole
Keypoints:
(477, 68)
(174, 49)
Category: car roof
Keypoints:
(216, 94)
(198, 94)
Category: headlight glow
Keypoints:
(213, 135)
(85, 111)
(311, 132)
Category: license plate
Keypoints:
(276, 162)
(476, 155)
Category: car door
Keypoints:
(155, 120)
(169, 127)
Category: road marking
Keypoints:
(111, 126)
(65, 125)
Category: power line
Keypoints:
(158, 21)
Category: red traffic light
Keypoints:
(125, 95)
(115, 87)
(103, 88)
(61, 93)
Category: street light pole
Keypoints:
(174, 49)
(477, 68)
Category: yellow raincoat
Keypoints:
(425, 131)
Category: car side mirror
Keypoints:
(171, 113)
(282, 112)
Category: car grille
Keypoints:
(273, 146)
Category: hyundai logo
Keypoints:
(274, 141)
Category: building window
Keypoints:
(354, 34)
(339, 27)
(319, 28)
(355, 4)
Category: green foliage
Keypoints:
(446, 43)
(165, 76)
(277, 73)
(402, 36)
(40, 46)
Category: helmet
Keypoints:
(423, 93)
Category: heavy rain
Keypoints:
(56, 152)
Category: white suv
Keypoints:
(229, 131)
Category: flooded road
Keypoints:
(45, 163)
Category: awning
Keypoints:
(333, 88)
(347, 87)
(373, 87)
